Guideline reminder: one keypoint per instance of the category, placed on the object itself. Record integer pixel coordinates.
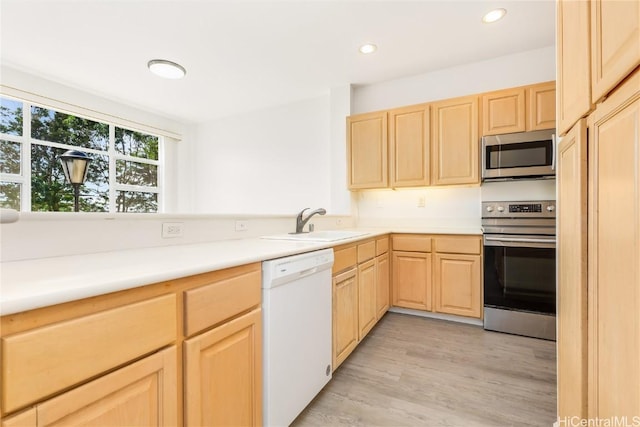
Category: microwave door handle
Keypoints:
(553, 154)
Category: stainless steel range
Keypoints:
(520, 267)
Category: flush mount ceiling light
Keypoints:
(166, 69)
(368, 48)
(494, 15)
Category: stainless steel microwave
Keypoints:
(519, 155)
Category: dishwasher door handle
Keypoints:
(308, 272)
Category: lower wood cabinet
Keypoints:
(412, 280)
(345, 315)
(383, 290)
(223, 374)
(147, 356)
(440, 273)
(141, 394)
(457, 284)
(366, 297)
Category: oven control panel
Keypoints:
(526, 209)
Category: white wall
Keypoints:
(520, 69)
(451, 206)
(273, 161)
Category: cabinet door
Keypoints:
(454, 142)
(409, 146)
(503, 112)
(615, 43)
(141, 394)
(27, 418)
(614, 254)
(572, 273)
(223, 374)
(366, 297)
(573, 62)
(382, 285)
(367, 151)
(412, 280)
(541, 106)
(457, 285)
(345, 315)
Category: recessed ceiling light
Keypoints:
(494, 15)
(166, 69)
(368, 48)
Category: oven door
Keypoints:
(529, 154)
(520, 272)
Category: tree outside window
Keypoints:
(131, 156)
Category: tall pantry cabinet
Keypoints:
(599, 209)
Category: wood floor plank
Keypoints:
(414, 371)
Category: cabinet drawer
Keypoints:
(344, 258)
(40, 362)
(382, 246)
(211, 304)
(458, 244)
(411, 243)
(366, 251)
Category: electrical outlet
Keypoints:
(242, 225)
(172, 229)
(421, 201)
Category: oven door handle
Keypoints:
(519, 241)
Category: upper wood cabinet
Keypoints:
(455, 144)
(503, 111)
(367, 151)
(409, 146)
(573, 63)
(519, 109)
(615, 44)
(541, 106)
(572, 273)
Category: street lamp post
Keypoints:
(75, 165)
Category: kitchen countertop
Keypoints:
(30, 284)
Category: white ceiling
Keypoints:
(247, 55)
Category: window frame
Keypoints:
(27, 141)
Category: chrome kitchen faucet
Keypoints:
(300, 223)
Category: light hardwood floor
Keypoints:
(413, 371)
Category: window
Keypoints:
(124, 175)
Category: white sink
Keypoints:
(319, 236)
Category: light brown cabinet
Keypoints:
(541, 106)
(614, 254)
(367, 151)
(503, 111)
(141, 394)
(455, 144)
(525, 108)
(383, 291)
(572, 273)
(601, 381)
(409, 146)
(411, 266)
(615, 44)
(117, 359)
(345, 315)
(366, 297)
(359, 295)
(223, 374)
(573, 63)
(457, 282)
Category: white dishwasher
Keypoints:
(296, 314)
